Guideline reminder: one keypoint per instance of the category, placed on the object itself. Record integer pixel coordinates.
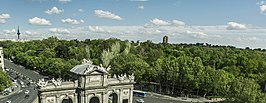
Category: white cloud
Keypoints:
(30, 32)
(235, 26)
(3, 18)
(12, 31)
(159, 22)
(107, 15)
(72, 21)
(262, 8)
(178, 23)
(98, 29)
(59, 30)
(141, 7)
(260, 3)
(80, 10)
(54, 10)
(197, 34)
(64, 1)
(39, 21)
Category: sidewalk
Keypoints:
(15, 91)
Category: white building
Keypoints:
(1, 58)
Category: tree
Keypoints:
(62, 51)
(5, 81)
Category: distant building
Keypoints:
(165, 39)
(1, 58)
(18, 33)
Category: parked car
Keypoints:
(8, 101)
(140, 101)
(27, 92)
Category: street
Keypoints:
(17, 72)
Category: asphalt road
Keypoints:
(21, 70)
(20, 96)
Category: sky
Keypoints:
(239, 23)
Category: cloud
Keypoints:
(141, 7)
(12, 31)
(196, 34)
(4, 17)
(54, 10)
(159, 22)
(72, 21)
(262, 8)
(80, 10)
(30, 33)
(178, 23)
(235, 26)
(107, 15)
(64, 1)
(39, 21)
(59, 31)
(98, 29)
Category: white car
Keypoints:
(27, 92)
(8, 101)
(140, 101)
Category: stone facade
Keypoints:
(91, 86)
(1, 58)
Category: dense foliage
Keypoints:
(176, 69)
(5, 81)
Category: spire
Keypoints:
(18, 33)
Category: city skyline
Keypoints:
(221, 22)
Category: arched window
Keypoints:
(67, 100)
(94, 100)
(113, 98)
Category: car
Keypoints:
(27, 92)
(140, 101)
(8, 101)
(7, 70)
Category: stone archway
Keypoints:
(67, 100)
(94, 100)
(113, 98)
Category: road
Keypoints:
(17, 72)
(20, 97)
(21, 70)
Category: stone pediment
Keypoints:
(87, 68)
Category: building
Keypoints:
(18, 33)
(1, 58)
(91, 86)
(165, 39)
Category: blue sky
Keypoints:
(240, 23)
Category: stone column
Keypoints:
(43, 99)
(57, 98)
(130, 95)
(120, 99)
